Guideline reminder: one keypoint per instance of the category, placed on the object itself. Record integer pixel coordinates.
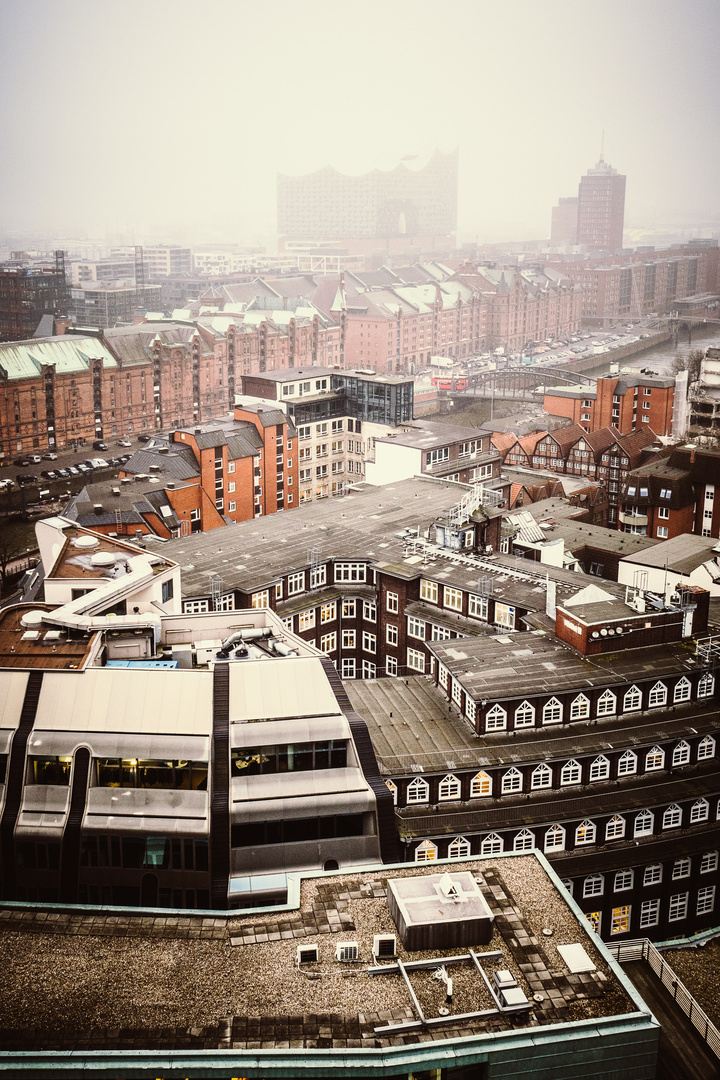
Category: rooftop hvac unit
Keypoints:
(346, 950)
(307, 954)
(384, 946)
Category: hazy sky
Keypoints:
(171, 118)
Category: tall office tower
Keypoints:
(601, 208)
(414, 199)
(563, 228)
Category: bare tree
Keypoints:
(689, 362)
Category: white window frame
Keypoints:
(306, 619)
(418, 791)
(496, 718)
(585, 833)
(682, 691)
(481, 785)
(644, 823)
(512, 781)
(627, 764)
(449, 788)
(392, 634)
(593, 885)
(328, 611)
(672, 817)
(571, 773)
(369, 642)
(606, 704)
(541, 777)
(599, 769)
(681, 753)
(524, 715)
(653, 874)
(649, 913)
(296, 583)
(452, 598)
(416, 627)
(580, 708)
(706, 748)
(658, 695)
(615, 827)
(426, 852)
(416, 660)
(459, 848)
(705, 900)
(328, 642)
(492, 844)
(552, 712)
(524, 841)
(678, 907)
(350, 571)
(709, 862)
(554, 839)
(699, 811)
(623, 880)
(477, 606)
(655, 759)
(632, 701)
(428, 591)
(347, 667)
(706, 685)
(392, 602)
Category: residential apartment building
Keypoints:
(447, 451)
(564, 224)
(338, 415)
(28, 293)
(161, 260)
(673, 494)
(199, 478)
(620, 401)
(601, 208)
(201, 716)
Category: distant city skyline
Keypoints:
(122, 119)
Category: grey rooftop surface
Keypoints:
(508, 666)
(682, 554)
(577, 534)
(359, 525)
(95, 987)
(414, 729)
(426, 434)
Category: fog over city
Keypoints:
(171, 119)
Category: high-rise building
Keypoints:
(28, 293)
(601, 208)
(563, 228)
(410, 200)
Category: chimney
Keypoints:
(97, 508)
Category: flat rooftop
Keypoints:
(504, 666)
(413, 732)
(92, 984)
(78, 558)
(682, 554)
(42, 647)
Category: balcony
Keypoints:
(632, 519)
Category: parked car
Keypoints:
(6, 485)
(123, 442)
(144, 438)
(48, 474)
(49, 457)
(73, 470)
(83, 468)
(99, 445)
(64, 473)
(23, 462)
(123, 458)
(26, 478)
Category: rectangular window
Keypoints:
(649, 913)
(350, 571)
(195, 607)
(620, 923)
(260, 599)
(167, 591)
(429, 591)
(416, 627)
(391, 666)
(678, 907)
(477, 606)
(318, 576)
(296, 583)
(416, 660)
(391, 634)
(328, 643)
(349, 639)
(705, 900)
(452, 598)
(369, 611)
(347, 668)
(392, 602)
(369, 642)
(328, 612)
(349, 608)
(505, 616)
(231, 486)
(306, 619)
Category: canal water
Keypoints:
(660, 358)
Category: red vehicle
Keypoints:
(450, 382)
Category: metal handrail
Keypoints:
(643, 949)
